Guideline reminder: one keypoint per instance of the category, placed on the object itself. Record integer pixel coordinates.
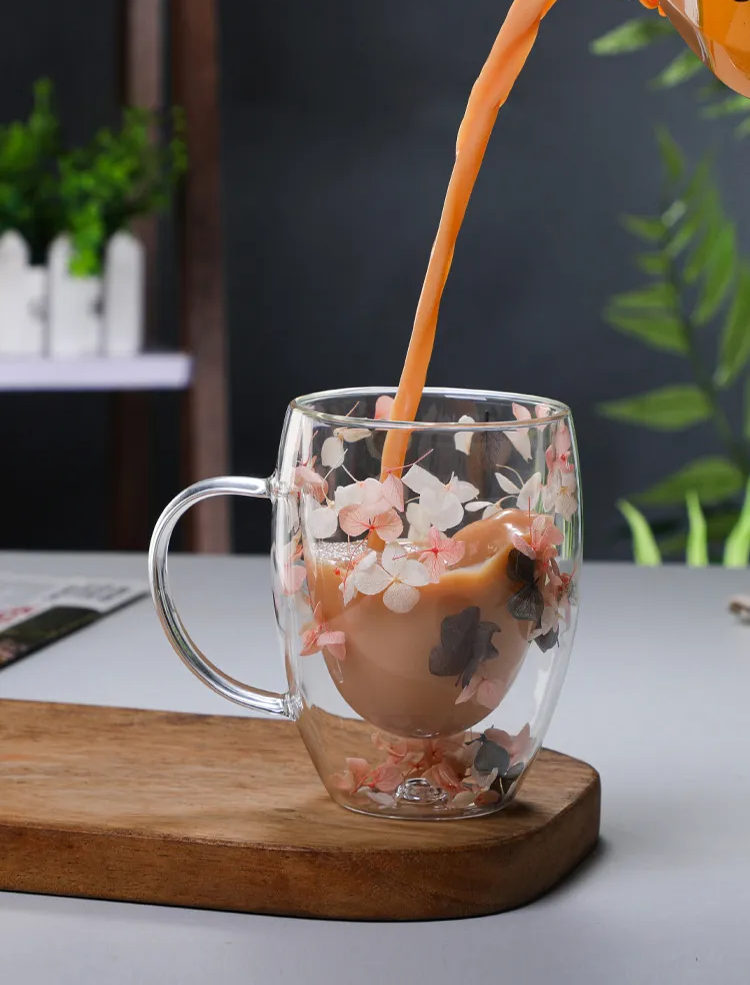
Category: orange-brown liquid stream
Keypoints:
(507, 58)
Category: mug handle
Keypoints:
(270, 702)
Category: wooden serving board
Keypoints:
(228, 813)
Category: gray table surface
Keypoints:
(656, 698)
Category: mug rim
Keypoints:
(302, 404)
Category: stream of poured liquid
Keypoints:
(718, 30)
(507, 58)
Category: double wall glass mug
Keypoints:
(427, 609)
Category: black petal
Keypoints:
(527, 604)
(547, 641)
(465, 642)
(520, 567)
(491, 757)
(456, 650)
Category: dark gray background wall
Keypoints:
(339, 126)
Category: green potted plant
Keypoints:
(69, 208)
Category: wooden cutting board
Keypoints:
(228, 813)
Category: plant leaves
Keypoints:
(490, 756)
(644, 227)
(730, 106)
(663, 332)
(697, 542)
(746, 428)
(719, 273)
(645, 548)
(667, 409)
(633, 35)
(718, 527)
(714, 479)
(652, 263)
(680, 69)
(737, 547)
(671, 155)
(659, 296)
(735, 339)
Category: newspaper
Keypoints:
(36, 610)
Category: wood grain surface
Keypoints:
(228, 813)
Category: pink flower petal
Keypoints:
(354, 520)
(393, 492)
(292, 578)
(489, 693)
(309, 481)
(357, 771)
(443, 776)
(383, 408)
(335, 641)
(469, 691)
(434, 565)
(521, 544)
(386, 778)
(520, 412)
(388, 526)
(452, 552)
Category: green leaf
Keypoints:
(735, 339)
(713, 479)
(680, 69)
(664, 332)
(644, 227)
(668, 409)
(718, 527)
(746, 428)
(719, 273)
(697, 540)
(743, 130)
(632, 36)
(652, 263)
(659, 296)
(671, 155)
(737, 547)
(730, 106)
(645, 549)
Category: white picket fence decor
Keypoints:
(48, 311)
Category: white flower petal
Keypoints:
(400, 598)
(491, 510)
(478, 505)
(419, 523)
(505, 484)
(529, 494)
(442, 508)
(519, 438)
(332, 453)
(322, 522)
(348, 589)
(351, 495)
(393, 559)
(463, 438)
(419, 479)
(464, 490)
(414, 573)
(352, 434)
(370, 579)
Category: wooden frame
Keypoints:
(193, 26)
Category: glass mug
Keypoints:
(426, 615)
